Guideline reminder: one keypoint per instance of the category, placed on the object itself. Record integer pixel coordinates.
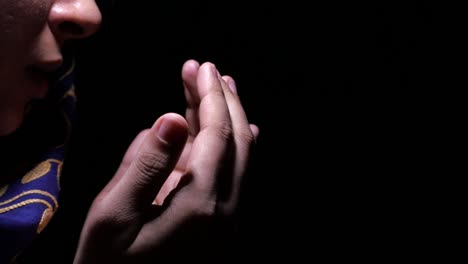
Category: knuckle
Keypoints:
(148, 163)
(204, 209)
(245, 138)
(106, 211)
(223, 130)
(200, 206)
(104, 216)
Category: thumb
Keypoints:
(155, 160)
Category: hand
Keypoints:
(177, 189)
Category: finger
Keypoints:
(189, 77)
(213, 108)
(210, 146)
(238, 115)
(243, 141)
(154, 161)
(179, 171)
(233, 88)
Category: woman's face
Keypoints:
(32, 33)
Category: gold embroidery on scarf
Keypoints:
(71, 93)
(45, 219)
(40, 170)
(23, 203)
(31, 192)
(3, 190)
(68, 72)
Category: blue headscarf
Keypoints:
(28, 203)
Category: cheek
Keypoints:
(21, 21)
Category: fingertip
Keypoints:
(190, 69)
(227, 78)
(255, 130)
(231, 83)
(208, 78)
(210, 68)
(191, 63)
(172, 129)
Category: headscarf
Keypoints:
(28, 203)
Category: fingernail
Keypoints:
(167, 133)
(232, 86)
(214, 71)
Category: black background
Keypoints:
(304, 73)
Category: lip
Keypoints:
(48, 67)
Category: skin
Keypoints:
(177, 190)
(32, 33)
(178, 186)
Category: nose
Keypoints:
(74, 19)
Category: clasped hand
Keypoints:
(177, 189)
